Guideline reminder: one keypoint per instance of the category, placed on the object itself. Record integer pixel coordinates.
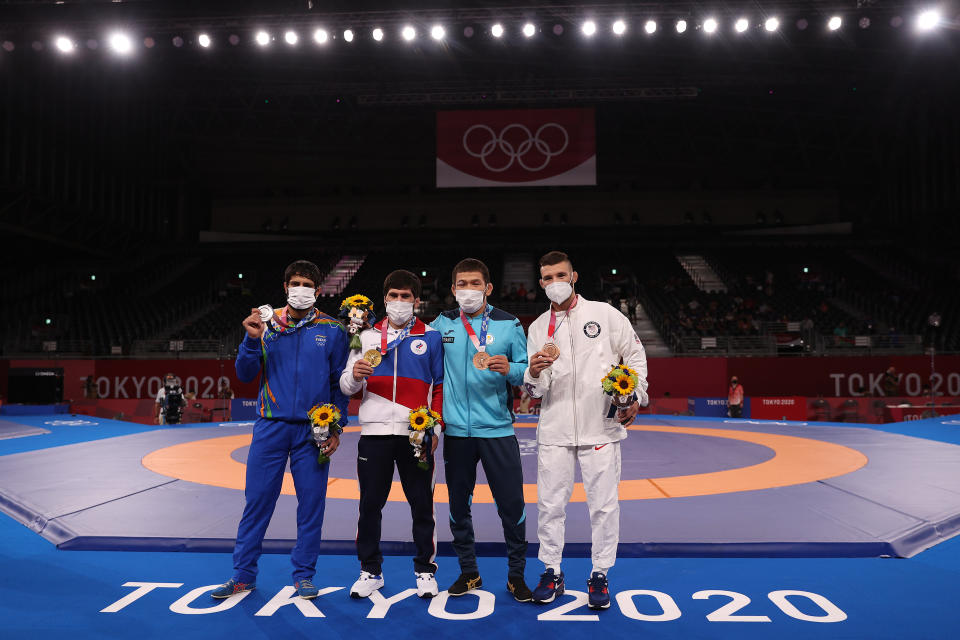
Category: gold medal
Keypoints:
(551, 350)
(480, 360)
(373, 357)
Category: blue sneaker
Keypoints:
(306, 590)
(551, 586)
(232, 587)
(599, 591)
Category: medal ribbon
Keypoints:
(479, 342)
(552, 329)
(384, 347)
(282, 322)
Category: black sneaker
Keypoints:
(466, 582)
(521, 592)
(599, 591)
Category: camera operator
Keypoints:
(170, 403)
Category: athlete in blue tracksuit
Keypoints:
(478, 418)
(299, 360)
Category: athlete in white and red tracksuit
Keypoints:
(591, 337)
(409, 376)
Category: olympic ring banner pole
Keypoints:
(516, 148)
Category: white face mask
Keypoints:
(301, 298)
(558, 292)
(470, 300)
(399, 312)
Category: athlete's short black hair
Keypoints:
(402, 279)
(471, 264)
(555, 257)
(304, 269)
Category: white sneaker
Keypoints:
(426, 585)
(366, 584)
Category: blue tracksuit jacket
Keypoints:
(479, 403)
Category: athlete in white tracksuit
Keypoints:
(591, 337)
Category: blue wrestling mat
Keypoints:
(690, 487)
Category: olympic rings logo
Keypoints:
(533, 141)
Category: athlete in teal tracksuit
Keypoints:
(478, 418)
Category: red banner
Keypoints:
(136, 379)
(781, 408)
(829, 377)
(516, 148)
(680, 377)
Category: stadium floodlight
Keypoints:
(262, 38)
(320, 36)
(291, 37)
(681, 26)
(710, 25)
(64, 44)
(772, 24)
(120, 43)
(650, 26)
(741, 25)
(619, 27)
(928, 20)
(204, 40)
(348, 35)
(378, 34)
(497, 30)
(437, 32)
(408, 33)
(529, 30)
(834, 23)
(589, 28)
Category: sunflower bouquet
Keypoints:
(422, 422)
(357, 310)
(620, 383)
(324, 418)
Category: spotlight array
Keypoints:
(122, 43)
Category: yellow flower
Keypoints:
(623, 385)
(419, 420)
(357, 301)
(436, 416)
(324, 416)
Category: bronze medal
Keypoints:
(551, 350)
(480, 360)
(373, 357)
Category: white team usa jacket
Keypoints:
(591, 340)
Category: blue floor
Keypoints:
(46, 593)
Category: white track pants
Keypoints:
(600, 467)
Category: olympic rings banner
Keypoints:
(516, 148)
